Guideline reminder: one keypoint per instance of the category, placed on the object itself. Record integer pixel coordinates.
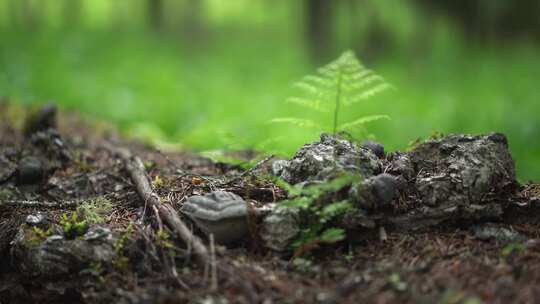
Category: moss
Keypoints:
(73, 225)
(6, 194)
(157, 182)
(163, 240)
(35, 236)
(95, 211)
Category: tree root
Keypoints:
(166, 212)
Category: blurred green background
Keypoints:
(209, 74)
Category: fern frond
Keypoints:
(362, 121)
(299, 122)
(367, 94)
(309, 88)
(316, 105)
(365, 81)
(319, 81)
(340, 83)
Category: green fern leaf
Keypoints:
(367, 94)
(299, 122)
(316, 105)
(362, 121)
(340, 83)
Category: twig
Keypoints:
(140, 178)
(250, 170)
(39, 204)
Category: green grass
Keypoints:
(194, 92)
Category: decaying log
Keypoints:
(166, 212)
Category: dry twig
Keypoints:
(166, 212)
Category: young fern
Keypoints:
(339, 84)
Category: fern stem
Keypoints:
(338, 101)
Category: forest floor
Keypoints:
(448, 264)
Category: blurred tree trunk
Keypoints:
(490, 19)
(155, 14)
(193, 26)
(29, 14)
(13, 13)
(318, 23)
(72, 12)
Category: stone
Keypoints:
(221, 213)
(41, 120)
(492, 231)
(53, 146)
(375, 147)
(96, 233)
(278, 166)
(401, 164)
(324, 159)
(30, 170)
(462, 169)
(56, 256)
(376, 192)
(280, 227)
(37, 220)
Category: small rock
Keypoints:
(97, 233)
(30, 170)
(279, 228)
(492, 231)
(223, 214)
(324, 159)
(278, 166)
(375, 147)
(56, 256)
(376, 192)
(401, 164)
(38, 220)
(10, 153)
(52, 145)
(41, 120)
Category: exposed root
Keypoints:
(166, 212)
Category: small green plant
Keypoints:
(314, 200)
(341, 83)
(511, 248)
(435, 135)
(74, 225)
(157, 182)
(36, 235)
(95, 211)
(163, 239)
(121, 261)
